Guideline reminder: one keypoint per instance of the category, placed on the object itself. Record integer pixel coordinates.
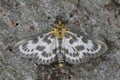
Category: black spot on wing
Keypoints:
(71, 41)
(32, 54)
(78, 35)
(73, 49)
(35, 54)
(43, 61)
(86, 54)
(75, 54)
(47, 38)
(80, 60)
(52, 59)
(32, 49)
(85, 40)
(72, 38)
(40, 60)
(71, 54)
(24, 45)
(92, 50)
(88, 49)
(95, 46)
(80, 47)
(25, 49)
(48, 41)
(35, 40)
(103, 47)
(28, 50)
(73, 60)
(44, 54)
(77, 61)
(67, 35)
(47, 61)
(41, 36)
(67, 59)
(40, 48)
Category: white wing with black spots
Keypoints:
(79, 48)
(41, 47)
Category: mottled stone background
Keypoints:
(22, 18)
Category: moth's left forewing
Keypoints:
(81, 47)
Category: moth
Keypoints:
(60, 45)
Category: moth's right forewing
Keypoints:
(39, 47)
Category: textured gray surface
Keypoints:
(21, 18)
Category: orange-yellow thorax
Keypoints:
(59, 30)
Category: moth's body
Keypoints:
(59, 32)
(60, 45)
